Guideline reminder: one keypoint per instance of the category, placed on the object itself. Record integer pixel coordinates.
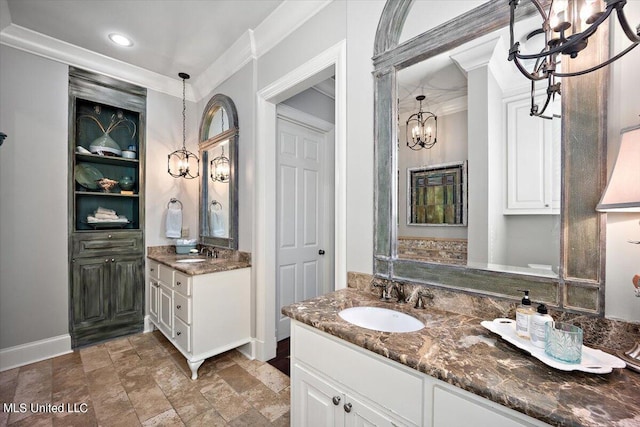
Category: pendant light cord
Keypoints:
(184, 115)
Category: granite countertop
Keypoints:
(211, 265)
(456, 349)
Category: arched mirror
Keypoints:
(219, 186)
(461, 210)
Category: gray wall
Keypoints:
(34, 275)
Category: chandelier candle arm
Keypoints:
(423, 133)
(556, 20)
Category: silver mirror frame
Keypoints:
(232, 134)
(580, 285)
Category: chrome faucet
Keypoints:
(399, 288)
(384, 294)
(208, 251)
(421, 294)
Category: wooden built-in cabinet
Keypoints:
(106, 295)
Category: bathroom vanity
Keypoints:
(452, 372)
(203, 308)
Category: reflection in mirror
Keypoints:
(219, 186)
(482, 106)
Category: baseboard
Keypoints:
(24, 354)
(248, 349)
(148, 325)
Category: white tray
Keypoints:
(593, 361)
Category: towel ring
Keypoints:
(174, 200)
(215, 202)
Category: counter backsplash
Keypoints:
(611, 335)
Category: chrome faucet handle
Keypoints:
(421, 294)
(383, 290)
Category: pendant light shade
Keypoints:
(183, 163)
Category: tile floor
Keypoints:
(143, 380)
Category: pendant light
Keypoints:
(220, 169)
(566, 33)
(422, 128)
(183, 163)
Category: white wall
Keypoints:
(164, 135)
(315, 103)
(34, 271)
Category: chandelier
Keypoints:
(566, 32)
(220, 169)
(422, 128)
(182, 163)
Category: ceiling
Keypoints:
(170, 36)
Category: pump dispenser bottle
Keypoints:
(537, 326)
(523, 316)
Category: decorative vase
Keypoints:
(126, 183)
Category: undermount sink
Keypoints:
(191, 260)
(381, 319)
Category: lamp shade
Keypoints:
(623, 190)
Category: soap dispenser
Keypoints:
(523, 316)
(538, 326)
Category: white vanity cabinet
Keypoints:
(202, 315)
(335, 383)
(154, 289)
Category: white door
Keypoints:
(300, 216)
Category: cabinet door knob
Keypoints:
(113, 260)
(347, 407)
(178, 333)
(151, 269)
(106, 260)
(179, 283)
(178, 307)
(336, 400)
(109, 236)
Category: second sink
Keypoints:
(381, 319)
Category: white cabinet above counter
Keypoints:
(202, 315)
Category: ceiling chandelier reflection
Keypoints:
(566, 32)
(182, 163)
(422, 128)
(220, 169)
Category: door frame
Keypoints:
(328, 63)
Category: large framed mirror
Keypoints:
(219, 183)
(532, 184)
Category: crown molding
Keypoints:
(283, 21)
(42, 45)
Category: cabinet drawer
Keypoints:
(182, 335)
(361, 370)
(153, 269)
(182, 283)
(165, 274)
(103, 243)
(182, 307)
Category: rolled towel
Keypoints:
(174, 221)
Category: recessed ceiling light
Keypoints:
(120, 40)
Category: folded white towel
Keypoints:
(102, 210)
(105, 216)
(174, 221)
(93, 219)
